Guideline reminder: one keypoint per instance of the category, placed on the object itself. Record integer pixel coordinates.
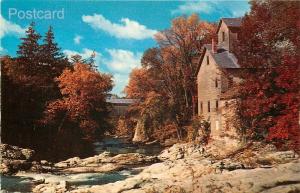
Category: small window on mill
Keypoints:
(207, 60)
(208, 106)
(201, 107)
(223, 36)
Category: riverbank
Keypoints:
(185, 167)
(114, 160)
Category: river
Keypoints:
(24, 182)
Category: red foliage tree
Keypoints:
(269, 49)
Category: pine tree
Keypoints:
(50, 48)
(77, 59)
(91, 61)
(52, 58)
(29, 47)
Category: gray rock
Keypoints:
(281, 178)
(277, 157)
(15, 159)
(14, 152)
(44, 162)
(39, 181)
(27, 153)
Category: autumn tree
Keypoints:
(180, 45)
(166, 82)
(268, 48)
(24, 75)
(82, 112)
(28, 86)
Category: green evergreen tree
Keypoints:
(29, 47)
(91, 61)
(52, 58)
(77, 59)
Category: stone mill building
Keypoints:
(216, 74)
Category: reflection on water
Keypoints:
(16, 184)
(120, 146)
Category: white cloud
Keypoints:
(77, 39)
(85, 53)
(9, 28)
(126, 29)
(236, 8)
(120, 81)
(118, 62)
(2, 50)
(193, 7)
(122, 61)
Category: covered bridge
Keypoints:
(120, 105)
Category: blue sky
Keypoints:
(118, 31)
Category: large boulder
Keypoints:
(104, 162)
(69, 162)
(59, 187)
(277, 157)
(281, 178)
(188, 175)
(15, 159)
(180, 151)
(16, 153)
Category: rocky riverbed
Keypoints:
(181, 168)
(19, 171)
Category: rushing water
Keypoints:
(24, 181)
(120, 146)
(16, 184)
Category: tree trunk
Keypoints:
(62, 123)
(178, 129)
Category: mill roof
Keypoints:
(223, 58)
(230, 22)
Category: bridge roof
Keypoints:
(122, 101)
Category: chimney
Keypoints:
(213, 46)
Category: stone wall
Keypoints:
(207, 91)
(229, 35)
(223, 29)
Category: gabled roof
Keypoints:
(232, 23)
(223, 58)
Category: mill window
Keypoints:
(217, 105)
(216, 83)
(230, 82)
(201, 107)
(208, 106)
(207, 60)
(223, 36)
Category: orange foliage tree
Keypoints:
(83, 103)
(49, 104)
(166, 82)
